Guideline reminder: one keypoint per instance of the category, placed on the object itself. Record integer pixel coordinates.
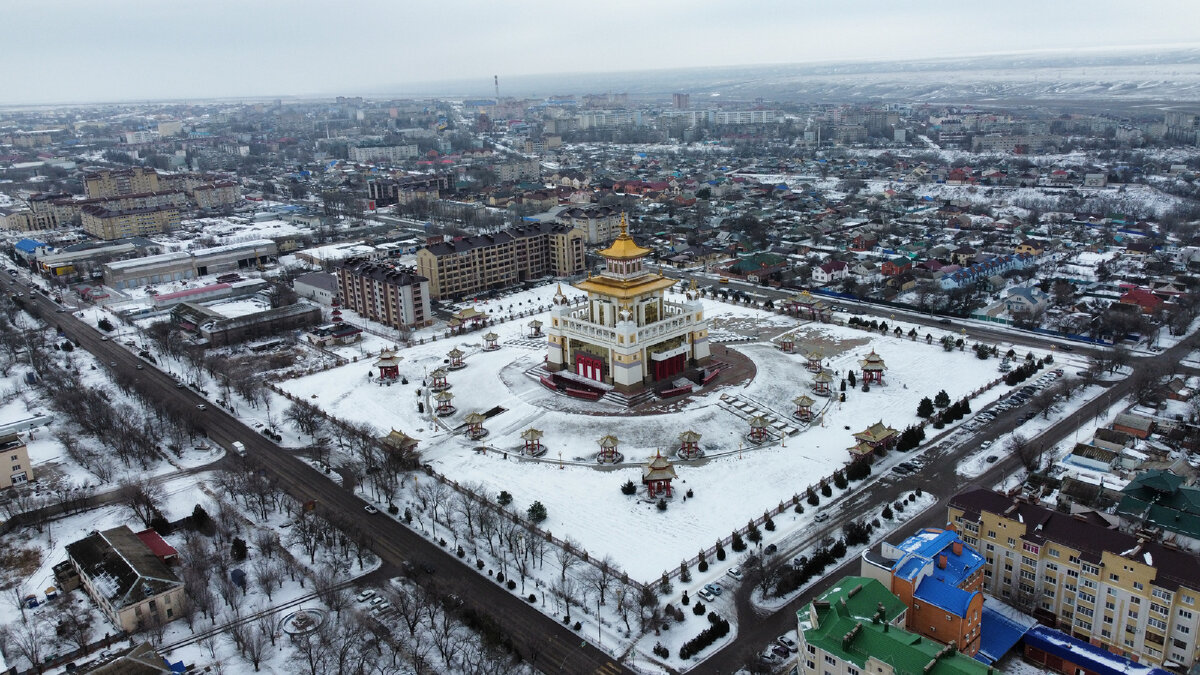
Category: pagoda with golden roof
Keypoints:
(626, 335)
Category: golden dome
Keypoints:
(623, 247)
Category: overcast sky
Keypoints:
(108, 50)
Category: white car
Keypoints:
(735, 572)
(365, 595)
(705, 595)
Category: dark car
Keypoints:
(1068, 348)
(946, 322)
(771, 548)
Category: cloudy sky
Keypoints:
(109, 50)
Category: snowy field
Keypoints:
(583, 500)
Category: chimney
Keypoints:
(942, 561)
(957, 548)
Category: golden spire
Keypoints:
(624, 227)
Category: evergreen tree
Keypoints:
(537, 512)
(850, 377)
(925, 407)
(942, 399)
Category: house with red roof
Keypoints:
(1143, 299)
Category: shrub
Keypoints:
(887, 512)
(461, 553)
(826, 491)
(769, 525)
(577, 627)
(839, 479)
(925, 407)
(685, 600)
(799, 508)
(690, 494)
(685, 575)
(720, 552)
(754, 535)
(698, 610)
(628, 488)
(660, 651)
(442, 543)
(532, 598)
(499, 577)
(717, 630)
(505, 498)
(512, 585)
(408, 516)
(662, 504)
(703, 566)
(813, 499)
(393, 509)
(478, 564)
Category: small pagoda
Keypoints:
(872, 368)
(657, 476)
(389, 365)
(787, 344)
(804, 404)
(400, 449)
(533, 442)
(489, 342)
(608, 450)
(758, 428)
(804, 303)
(822, 382)
(535, 329)
(861, 451)
(878, 435)
(437, 380)
(474, 422)
(689, 445)
(466, 320)
(456, 359)
(335, 316)
(814, 361)
(444, 407)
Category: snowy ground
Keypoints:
(582, 499)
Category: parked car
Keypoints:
(735, 572)
(780, 651)
(370, 509)
(821, 517)
(787, 642)
(985, 444)
(705, 595)
(900, 470)
(769, 656)
(376, 601)
(799, 561)
(991, 459)
(770, 549)
(365, 595)
(714, 589)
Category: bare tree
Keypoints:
(410, 607)
(141, 496)
(567, 556)
(256, 644)
(600, 576)
(1025, 451)
(267, 575)
(306, 417)
(75, 624)
(328, 587)
(434, 494)
(29, 639)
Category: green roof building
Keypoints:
(1160, 499)
(856, 628)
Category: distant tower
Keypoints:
(681, 101)
(496, 79)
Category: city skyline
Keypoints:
(272, 48)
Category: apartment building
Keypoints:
(17, 469)
(470, 265)
(385, 292)
(939, 579)
(857, 628)
(116, 182)
(130, 584)
(404, 189)
(103, 223)
(216, 195)
(1120, 592)
(601, 223)
(386, 153)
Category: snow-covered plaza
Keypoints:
(733, 482)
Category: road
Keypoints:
(940, 477)
(540, 640)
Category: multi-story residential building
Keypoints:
(404, 189)
(601, 223)
(216, 195)
(22, 220)
(939, 579)
(116, 182)
(142, 136)
(129, 583)
(856, 628)
(16, 468)
(379, 290)
(387, 153)
(470, 265)
(1129, 595)
(102, 223)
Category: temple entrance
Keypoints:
(670, 367)
(590, 367)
